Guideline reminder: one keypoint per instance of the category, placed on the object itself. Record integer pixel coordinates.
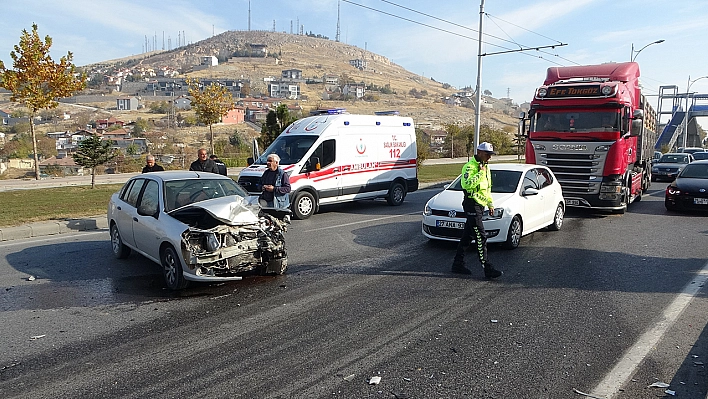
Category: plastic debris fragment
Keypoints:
(34, 337)
(31, 278)
(374, 380)
(670, 392)
(659, 384)
(349, 377)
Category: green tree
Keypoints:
(422, 147)
(132, 149)
(93, 152)
(141, 125)
(270, 129)
(210, 104)
(36, 81)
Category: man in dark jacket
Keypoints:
(151, 166)
(219, 164)
(203, 163)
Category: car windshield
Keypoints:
(575, 122)
(695, 171)
(179, 193)
(290, 149)
(503, 181)
(674, 158)
(700, 155)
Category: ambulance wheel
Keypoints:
(303, 205)
(396, 194)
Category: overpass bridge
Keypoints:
(681, 129)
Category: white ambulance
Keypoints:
(337, 157)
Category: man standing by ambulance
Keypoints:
(477, 185)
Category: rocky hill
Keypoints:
(317, 57)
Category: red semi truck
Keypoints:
(595, 130)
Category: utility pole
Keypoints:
(478, 105)
(336, 39)
(249, 15)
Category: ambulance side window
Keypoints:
(326, 152)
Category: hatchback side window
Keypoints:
(530, 180)
(150, 200)
(131, 195)
(544, 178)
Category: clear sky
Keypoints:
(595, 31)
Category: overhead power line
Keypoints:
(506, 49)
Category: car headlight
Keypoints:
(427, 211)
(654, 169)
(497, 214)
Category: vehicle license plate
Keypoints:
(700, 201)
(572, 202)
(450, 224)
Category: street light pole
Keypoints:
(688, 97)
(478, 102)
(633, 55)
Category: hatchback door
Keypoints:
(534, 204)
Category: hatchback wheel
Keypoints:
(513, 237)
(557, 218)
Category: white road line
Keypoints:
(54, 237)
(363, 221)
(626, 367)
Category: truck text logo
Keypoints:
(569, 147)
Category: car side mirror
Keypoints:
(529, 191)
(147, 210)
(250, 161)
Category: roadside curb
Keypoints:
(40, 229)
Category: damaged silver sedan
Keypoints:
(197, 226)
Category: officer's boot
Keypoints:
(490, 271)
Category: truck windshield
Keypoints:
(290, 149)
(575, 122)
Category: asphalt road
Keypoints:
(609, 305)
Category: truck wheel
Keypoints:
(172, 269)
(303, 205)
(396, 194)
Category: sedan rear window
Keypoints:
(695, 171)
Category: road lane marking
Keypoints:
(626, 367)
(362, 222)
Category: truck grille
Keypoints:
(578, 172)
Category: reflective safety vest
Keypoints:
(477, 182)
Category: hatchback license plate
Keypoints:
(700, 201)
(449, 224)
(572, 202)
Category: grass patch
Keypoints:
(441, 172)
(35, 205)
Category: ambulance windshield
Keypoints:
(289, 148)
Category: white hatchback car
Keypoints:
(526, 198)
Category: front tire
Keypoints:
(513, 236)
(303, 205)
(172, 269)
(396, 194)
(120, 250)
(557, 218)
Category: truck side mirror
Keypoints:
(638, 114)
(250, 161)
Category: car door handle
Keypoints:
(135, 219)
(119, 208)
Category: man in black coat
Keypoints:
(219, 164)
(203, 163)
(151, 166)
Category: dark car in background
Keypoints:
(669, 166)
(690, 189)
(698, 156)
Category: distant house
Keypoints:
(292, 74)
(103, 124)
(259, 49)
(358, 63)
(5, 115)
(116, 134)
(209, 60)
(183, 102)
(127, 104)
(234, 116)
(355, 89)
(62, 166)
(284, 90)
